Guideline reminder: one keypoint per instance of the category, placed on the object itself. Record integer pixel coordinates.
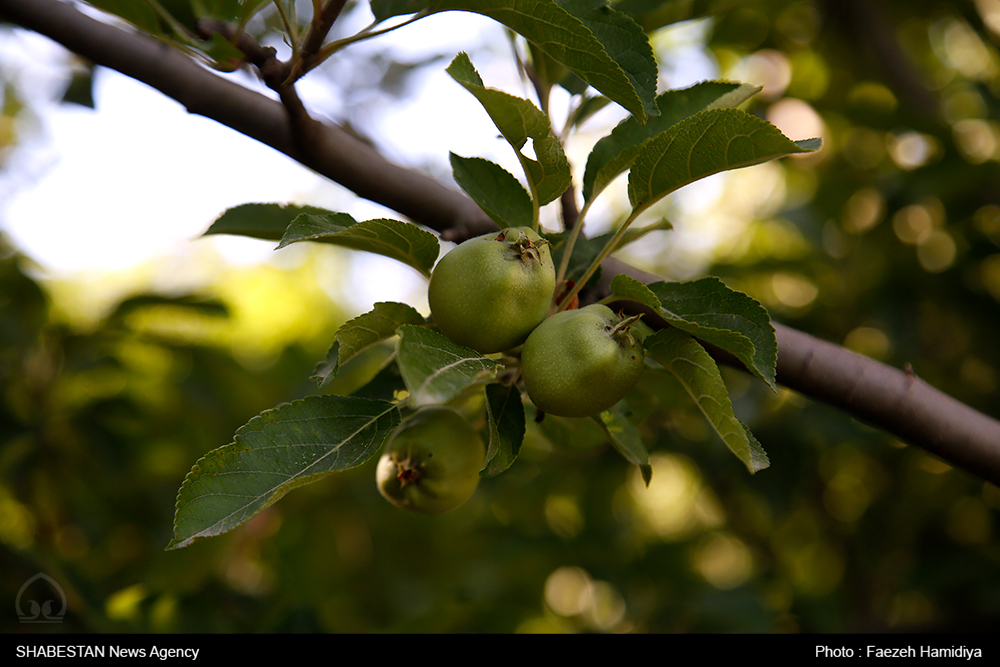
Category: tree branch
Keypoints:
(322, 22)
(338, 155)
(894, 400)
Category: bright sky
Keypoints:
(139, 178)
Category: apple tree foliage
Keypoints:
(671, 139)
(887, 243)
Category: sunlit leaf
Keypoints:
(506, 426)
(495, 189)
(550, 171)
(276, 451)
(357, 335)
(687, 360)
(434, 369)
(585, 45)
(706, 143)
(518, 120)
(392, 238)
(615, 153)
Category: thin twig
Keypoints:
(322, 22)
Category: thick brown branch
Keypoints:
(254, 53)
(889, 398)
(274, 73)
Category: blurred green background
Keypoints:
(887, 241)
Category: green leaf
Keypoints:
(687, 360)
(519, 120)
(259, 221)
(495, 189)
(276, 451)
(626, 439)
(627, 287)
(387, 384)
(550, 172)
(615, 153)
(386, 9)
(250, 7)
(80, 89)
(587, 44)
(506, 424)
(587, 107)
(435, 369)
(706, 143)
(139, 14)
(655, 14)
(712, 312)
(357, 335)
(222, 52)
(226, 10)
(624, 41)
(401, 241)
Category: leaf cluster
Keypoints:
(669, 141)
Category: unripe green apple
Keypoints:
(432, 461)
(580, 362)
(491, 291)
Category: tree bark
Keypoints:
(892, 399)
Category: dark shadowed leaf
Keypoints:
(687, 360)
(626, 439)
(506, 424)
(276, 451)
(384, 9)
(495, 189)
(259, 221)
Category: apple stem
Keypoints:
(621, 331)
